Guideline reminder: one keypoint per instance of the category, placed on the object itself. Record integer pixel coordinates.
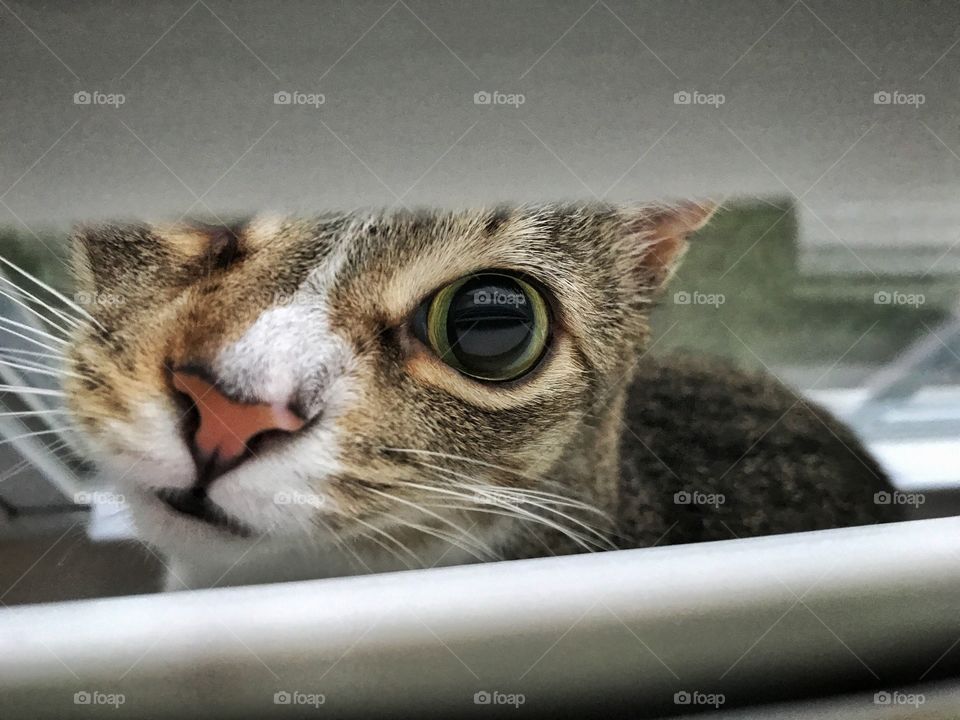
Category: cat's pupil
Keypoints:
(490, 324)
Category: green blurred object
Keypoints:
(770, 314)
(44, 255)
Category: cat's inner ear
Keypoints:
(657, 235)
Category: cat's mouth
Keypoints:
(194, 503)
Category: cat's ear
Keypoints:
(99, 254)
(655, 236)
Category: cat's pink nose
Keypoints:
(226, 426)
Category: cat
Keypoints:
(289, 398)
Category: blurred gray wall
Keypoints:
(199, 131)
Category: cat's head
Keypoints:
(363, 374)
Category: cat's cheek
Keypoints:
(148, 450)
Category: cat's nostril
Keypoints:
(222, 428)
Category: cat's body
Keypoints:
(711, 452)
(289, 399)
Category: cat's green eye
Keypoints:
(490, 326)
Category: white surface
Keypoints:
(918, 465)
(640, 623)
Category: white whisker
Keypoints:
(508, 512)
(436, 516)
(572, 502)
(27, 338)
(31, 353)
(338, 541)
(42, 333)
(440, 535)
(392, 539)
(27, 390)
(56, 293)
(37, 433)
(40, 370)
(57, 446)
(33, 413)
(491, 491)
(386, 547)
(513, 510)
(15, 470)
(463, 458)
(32, 361)
(32, 310)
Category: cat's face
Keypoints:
(433, 367)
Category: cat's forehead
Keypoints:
(268, 280)
(197, 287)
(391, 260)
(394, 259)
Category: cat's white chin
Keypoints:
(173, 532)
(197, 554)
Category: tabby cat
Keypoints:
(358, 392)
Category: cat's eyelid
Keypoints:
(410, 309)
